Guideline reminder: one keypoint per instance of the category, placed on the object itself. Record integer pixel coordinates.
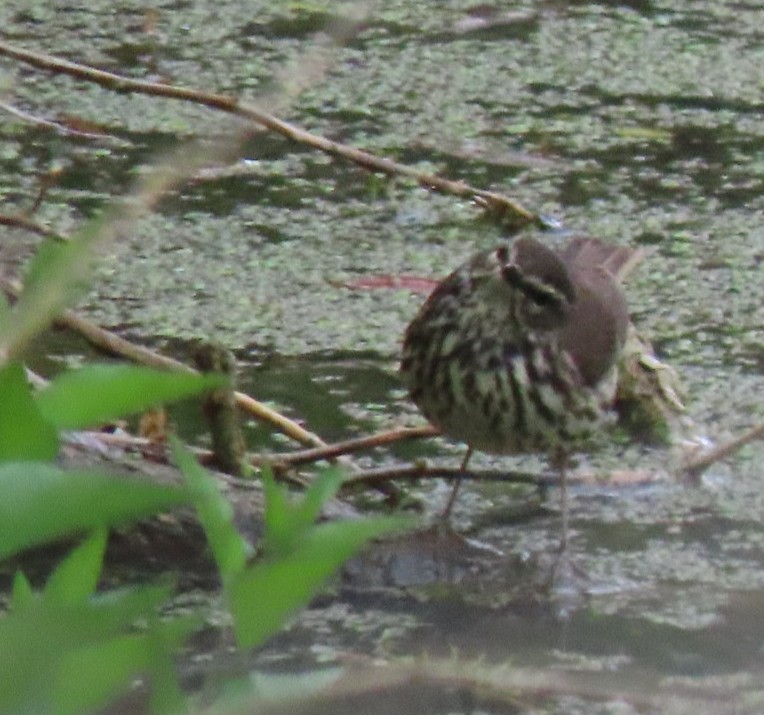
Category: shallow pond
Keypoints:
(638, 122)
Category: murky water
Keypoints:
(640, 123)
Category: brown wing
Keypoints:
(596, 330)
(585, 251)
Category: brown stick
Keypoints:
(114, 344)
(696, 466)
(110, 342)
(487, 199)
(330, 451)
(415, 472)
(58, 127)
(290, 428)
(20, 221)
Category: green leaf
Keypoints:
(324, 487)
(76, 577)
(98, 393)
(42, 503)
(266, 594)
(24, 433)
(57, 276)
(216, 514)
(285, 522)
(39, 636)
(109, 667)
(300, 557)
(279, 527)
(22, 591)
(164, 640)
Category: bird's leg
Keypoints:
(568, 581)
(560, 460)
(446, 516)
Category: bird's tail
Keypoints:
(616, 260)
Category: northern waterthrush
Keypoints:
(516, 351)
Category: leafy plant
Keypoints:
(68, 634)
(297, 555)
(69, 648)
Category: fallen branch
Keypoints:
(497, 203)
(115, 345)
(421, 470)
(418, 471)
(280, 462)
(288, 427)
(22, 221)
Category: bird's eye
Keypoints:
(544, 295)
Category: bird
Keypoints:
(516, 351)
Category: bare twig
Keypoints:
(22, 221)
(418, 471)
(330, 451)
(58, 127)
(114, 344)
(487, 199)
(159, 451)
(697, 465)
(47, 180)
(288, 427)
(421, 470)
(510, 688)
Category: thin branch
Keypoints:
(330, 451)
(46, 182)
(114, 344)
(288, 427)
(421, 470)
(418, 471)
(696, 466)
(58, 127)
(487, 199)
(21, 221)
(159, 452)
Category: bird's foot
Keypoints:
(568, 584)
